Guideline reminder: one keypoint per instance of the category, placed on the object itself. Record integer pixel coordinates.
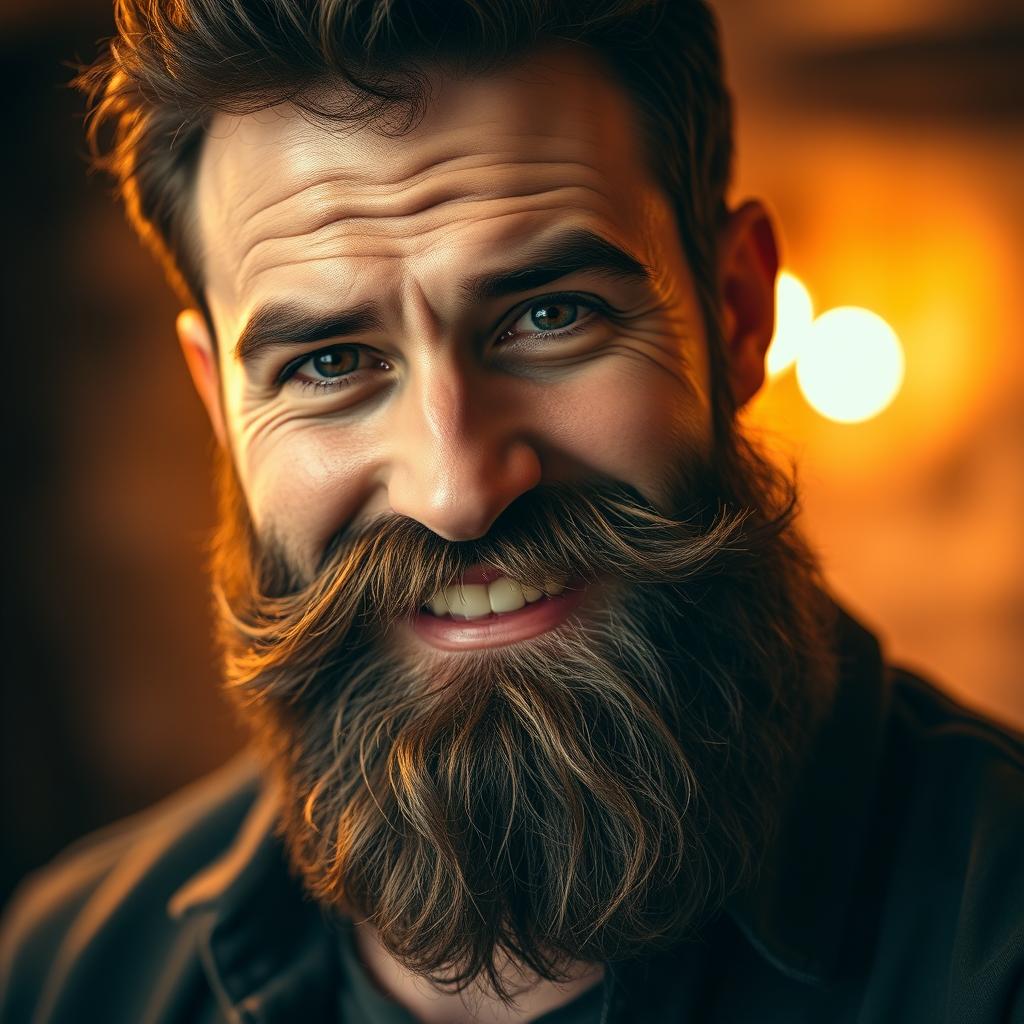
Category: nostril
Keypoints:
(458, 489)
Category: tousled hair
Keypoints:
(172, 66)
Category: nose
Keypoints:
(461, 453)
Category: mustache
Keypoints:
(372, 575)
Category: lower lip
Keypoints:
(448, 634)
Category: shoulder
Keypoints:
(970, 766)
(955, 902)
(94, 898)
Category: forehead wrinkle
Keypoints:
(336, 237)
(294, 178)
(306, 158)
(375, 194)
(333, 202)
(334, 178)
(241, 178)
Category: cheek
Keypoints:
(633, 423)
(304, 486)
(302, 479)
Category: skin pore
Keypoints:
(415, 390)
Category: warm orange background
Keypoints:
(888, 140)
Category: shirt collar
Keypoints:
(267, 951)
(795, 913)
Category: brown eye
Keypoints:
(335, 362)
(551, 316)
(333, 367)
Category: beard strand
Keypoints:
(592, 794)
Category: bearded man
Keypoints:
(552, 717)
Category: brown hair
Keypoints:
(172, 66)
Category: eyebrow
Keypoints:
(571, 252)
(286, 323)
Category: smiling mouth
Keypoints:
(488, 610)
(479, 595)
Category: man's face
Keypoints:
(478, 344)
(495, 343)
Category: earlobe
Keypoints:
(748, 262)
(201, 358)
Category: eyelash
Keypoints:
(323, 384)
(587, 302)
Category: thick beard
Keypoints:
(592, 794)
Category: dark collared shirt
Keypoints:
(895, 893)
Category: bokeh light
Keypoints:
(794, 312)
(851, 366)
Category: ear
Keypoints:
(201, 358)
(748, 262)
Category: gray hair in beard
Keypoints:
(592, 794)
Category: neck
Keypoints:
(477, 1004)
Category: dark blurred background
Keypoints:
(888, 139)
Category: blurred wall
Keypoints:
(889, 140)
(110, 689)
(888, 143)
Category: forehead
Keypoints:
(287, 204)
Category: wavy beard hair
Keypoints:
(592, 794)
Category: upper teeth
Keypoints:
(475, 600)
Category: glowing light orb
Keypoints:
(851, 366)
(794, 312)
